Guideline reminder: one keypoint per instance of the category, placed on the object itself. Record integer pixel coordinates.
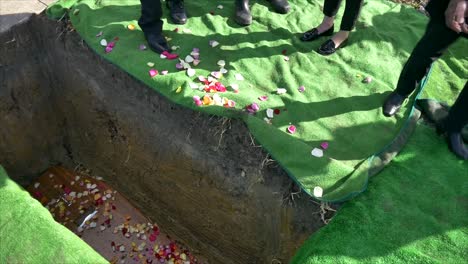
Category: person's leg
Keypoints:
(325, 28)
(280, 6)
(458, 114)
(151, 13)
(242, 14)
(456, 120)
(177, 11)
(330, 8)
(435, 41)
(350, 16)
(151, 24)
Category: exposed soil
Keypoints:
(201, 178)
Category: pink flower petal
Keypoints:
(170, 56)
(164, 72)
(301, 89)
(263, 98)
(217, 75)
(292, 129)
(108, 49)
(255, 107)
(153, 72)
(142, 47)
(324, 145)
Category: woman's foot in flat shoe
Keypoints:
(337, 41)
(316, 33)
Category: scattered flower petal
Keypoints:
(150, 64)
(318, 191)
(179, 66)
(316, 152)
(231, 104)
(324, 145)
(263, 98)
(193, 85)
(99, 34)
(170, 56)
(286, 58)
(220, 6)
(189, 59)
(108, 49)
(216, 74)
(179, 89)
(142, 47)
(36, 185)
(368, 79)
(131, 27)
(221, 63)
(292, 129)
(153, 72)
(301, 89)
(269, 113)
(252, 108)
(196, 62)
(175, 47)
(165, 72)
(217, 100)
(76, 12)
(162, 56)
(235, 87)
(223, 71)
(190, 72)
(280, 91)
(213, 43)
(103, 42)
(207, 100)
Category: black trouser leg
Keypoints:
(351, 14)
(458, 115)
(150, 20)
(331, 7)
(431, 46)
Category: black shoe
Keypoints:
(457, 145)
(328, 47)
(280, 6)
(393, 104)
(243, 16)
(313, 34)
(177, 10)
(157, 43)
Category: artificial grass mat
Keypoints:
(413, 212)
(29, 233)
(336, 106)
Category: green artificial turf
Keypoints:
(29, 233)
(415, 211)
(336, 106)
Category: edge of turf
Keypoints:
(234, 114)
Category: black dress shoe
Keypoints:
(243, 16)
(177, 10)
(393, 104)
(457, 145)
(313, 34)
(157, 42)
(328, 47)
(280, 6)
